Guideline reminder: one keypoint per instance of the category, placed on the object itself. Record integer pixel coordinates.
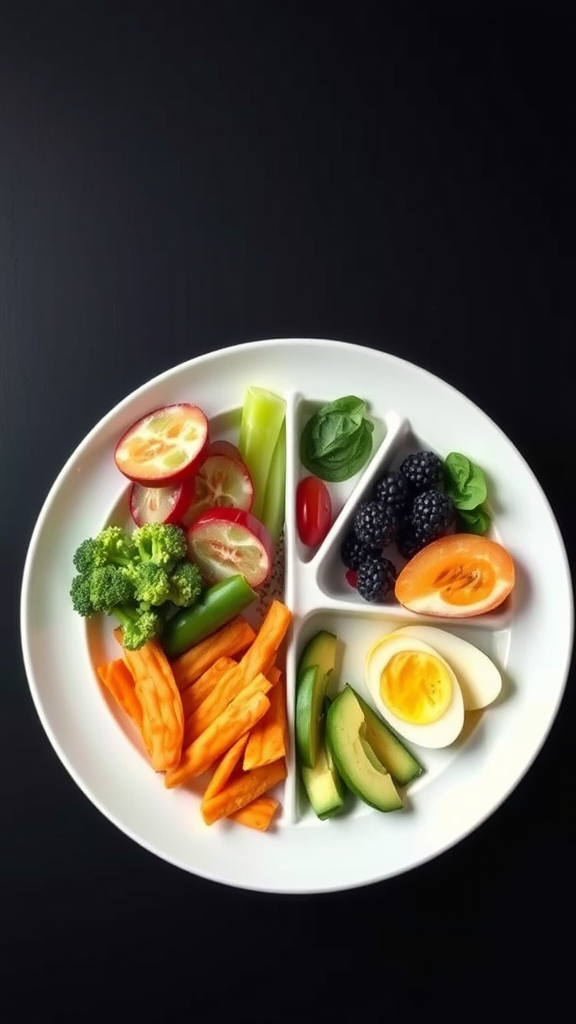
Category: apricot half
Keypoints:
(457, 576)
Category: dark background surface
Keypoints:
(176, 178)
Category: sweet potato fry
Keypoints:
(227, 642)
(257, 814)
(242, 791)
(159, 697)
(193, 695)
(226, 765)
(267, 740)
(240, 715)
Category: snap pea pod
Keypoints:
(217, 606)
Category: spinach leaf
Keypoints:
(476, 520)
(337, 440)
(464, 482)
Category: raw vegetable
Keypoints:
(217, 605)
(221, 481)
(136, 578)
(465, 485)
(273, 512)
(323, 784)
(257, 814)
(337, 440)
(118, 679)
(164, 446)
(223, 447)
(231, 639)
(161, 504)
(225, 768)
(313, 510)
(193, 696)
(159, 697)
(457, 576)
(315, 668)
(240, 792)
(267, 740)
(261, 421)
(226, 541)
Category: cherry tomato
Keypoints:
(313, 510)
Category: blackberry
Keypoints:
(376, 578)
(406, 542)
(392, 491)
(431, 516)
(374, 526)
(353, 551)
(422, 470)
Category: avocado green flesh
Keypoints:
(324, 787)
(354, 757)
(314, 669)
(389, 749)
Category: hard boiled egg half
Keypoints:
(423, 679)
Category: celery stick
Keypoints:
(262, 417)
(275, 496)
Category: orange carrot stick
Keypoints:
(226, 642)
(267, 740)
(225, 767)
(118, 679)
(242, 791)
(162, 715)
(193, 695)
(258, 814)
(247, 708)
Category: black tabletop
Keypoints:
(177, 178)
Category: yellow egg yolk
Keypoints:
(416, 687)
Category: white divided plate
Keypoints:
(530, 639)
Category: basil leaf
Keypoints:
(335, 472)
(337, 439)
(476, 520)
(350, 406)
(332, 433)
(464, 482)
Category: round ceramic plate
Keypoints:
(462, 784)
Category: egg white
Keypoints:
(478, 676)
(437, 734)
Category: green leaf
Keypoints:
(337, 439)
(476, 520)
(464, 482)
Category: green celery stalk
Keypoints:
(275, 495)
(262, 417)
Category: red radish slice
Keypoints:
(222, 447)
(161, 504)
(226, 541)
(221, 481)
(163, 447)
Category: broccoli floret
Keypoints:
(81, 597)
(185, 584)
(151, 583)
(161, 543)
(114, 547)
(86, 556)
(109, 588)
(137, 626)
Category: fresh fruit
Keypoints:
(375, 526)
(477, 675)
(460, 575)
(415, 690)
(161, 504)
(217, 605)
(376, 577)
(392, 491)
(226, 541)
(221, 481)
(164, 446)
(324, 787)
(353, 552)
(222, 447)
(315, 667)
(389, 749)
(422, 470)
(354, 757)
(261, 422)
(431, 515)
(313, 510)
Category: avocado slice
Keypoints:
(314, 669)
(389, 749)
(354, 757)
(324, 786)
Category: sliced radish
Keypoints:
(161, 504)
(163, 447)
(221, 482)
(222, 447)
(226, 541)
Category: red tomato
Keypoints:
(313, 510)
